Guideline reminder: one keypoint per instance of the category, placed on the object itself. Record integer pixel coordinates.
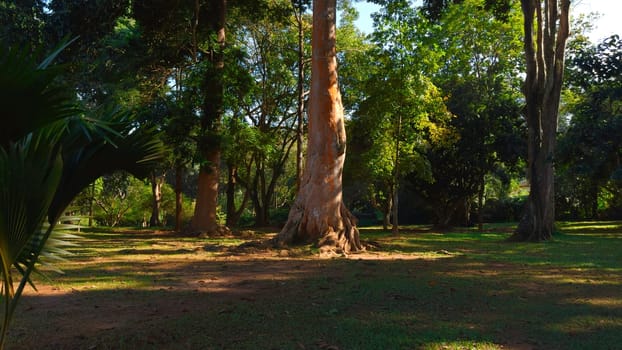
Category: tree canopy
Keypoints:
(432, 96)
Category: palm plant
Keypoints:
(49, 151)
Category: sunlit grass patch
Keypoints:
(462, 345)
(591, 227)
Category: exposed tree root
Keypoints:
(336, 235)
(218, 231)
(531, 228)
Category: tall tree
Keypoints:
(319, 213)
(269, 108)
(204, 219)
(481, 62)
(300, 7)
(546, 29)
(590, 149)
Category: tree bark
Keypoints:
(387, 207)
(480, 204)
(179, 199)
(233, 213)
(545, 43)
(396, 178)
(319, 214)
(91, 204)
(205, 219)
(156, 193)
(301, 96)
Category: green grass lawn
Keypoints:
(421, 290)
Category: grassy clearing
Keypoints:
(422, 290)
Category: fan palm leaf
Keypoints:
(30, 98)
(29, 175)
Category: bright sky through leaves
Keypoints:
(608, 24)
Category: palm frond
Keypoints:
(49, 151)
(30, 172)
(137, 152)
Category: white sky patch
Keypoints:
(609, 22)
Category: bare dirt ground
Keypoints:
(68, 312)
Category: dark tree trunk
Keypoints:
(91, 204)
(301, 95)
(594, 203)
(545, 42)
(231, 184)
(396, 178)
(257, 196)
(446, 213)
(463, 212)
(319, 213)
(233, 213)
(387, 207)
(480, 205)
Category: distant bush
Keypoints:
(503, 210)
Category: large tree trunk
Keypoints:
(544, 53)
(319, 214)
(204, 219)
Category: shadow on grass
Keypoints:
(454, 290)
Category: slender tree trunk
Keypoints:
(466, 208)
(386, 213)
(319, 214)
(231, 184)
(594, 203)
(301, 96)
(91, 204)
(204, 219)
(257, 193)
(480, 205)
(156, 200)
(396, 177)
(545, 42)
(233, 213)
(179, 199)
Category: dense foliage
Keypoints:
(433, 96)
